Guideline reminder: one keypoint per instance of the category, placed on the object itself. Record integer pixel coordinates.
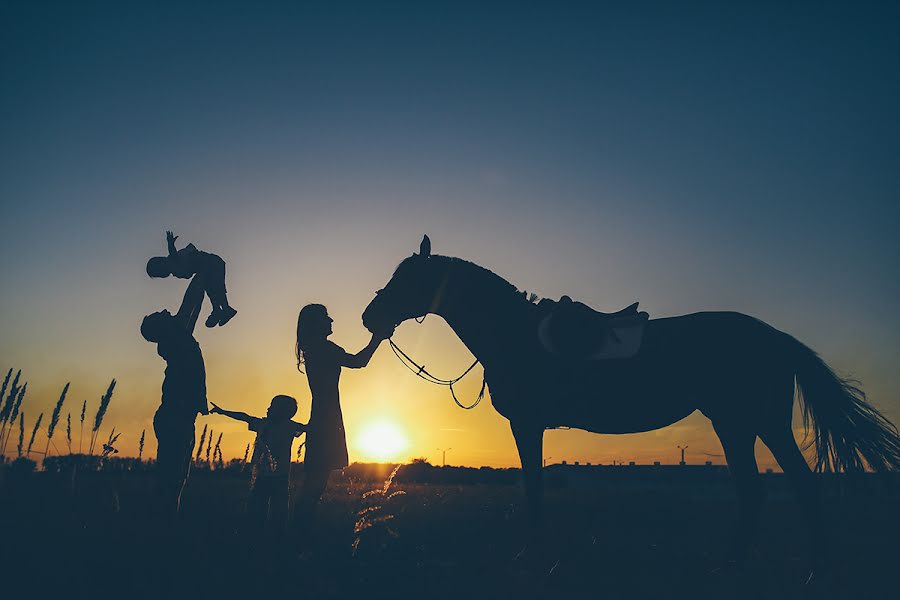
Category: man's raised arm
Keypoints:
(190, 305)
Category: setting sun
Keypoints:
(382, 440)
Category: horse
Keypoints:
(738, 371)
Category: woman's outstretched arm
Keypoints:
(362, 358)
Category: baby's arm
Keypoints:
(237, 416)
(183, 263)
(170, 242)
(299, 428)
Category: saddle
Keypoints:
(574, 330)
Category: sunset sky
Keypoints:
(690, 157)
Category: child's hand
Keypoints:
(171, 237)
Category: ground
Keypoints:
(640, 539)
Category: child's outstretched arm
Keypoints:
(300, 428)
(237, 416)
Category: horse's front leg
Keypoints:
(530, 442)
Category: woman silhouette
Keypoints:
(326, 444)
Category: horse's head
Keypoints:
(413, 291)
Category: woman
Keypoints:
(326, 444)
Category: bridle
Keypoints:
(423, 373)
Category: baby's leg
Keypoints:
(215, 282)
(215, 289)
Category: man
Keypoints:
(183, 392)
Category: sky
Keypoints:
(690, 156)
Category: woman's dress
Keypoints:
(326, 442)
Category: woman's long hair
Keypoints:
(307, 332)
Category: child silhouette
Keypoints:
(271, 458)
(186, 263)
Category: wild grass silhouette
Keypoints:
(374, 518)
(37, 425)
(101, 413)
(54, 418)
(638, 538)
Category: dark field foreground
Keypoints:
(641, 538)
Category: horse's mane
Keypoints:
(484, 279)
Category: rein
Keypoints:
(420, 371)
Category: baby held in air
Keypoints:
(190, 262)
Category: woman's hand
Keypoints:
(383, 334)
(215, 409)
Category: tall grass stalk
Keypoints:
(200, 445)
(109, 447)
(209, 446)
(141, 445)
(5, 383)
(34, 431)
(12, 418)
(69, 431)
(81, 435)
(246, 453)
(54, 418)
(373, 517)
(217, 451)
(101, 412)
(6, 408)
(15, 408)
(21, 433)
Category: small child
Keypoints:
(271, 458)
(188, 262)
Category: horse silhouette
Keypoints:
(738, 371)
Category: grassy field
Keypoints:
(98, 539)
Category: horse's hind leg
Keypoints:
(784, 448)
(738, 444)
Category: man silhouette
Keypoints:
(183, 392)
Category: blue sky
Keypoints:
(694, 157)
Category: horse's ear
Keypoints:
(425, 247)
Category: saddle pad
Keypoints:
(624, 343)
(620, 337)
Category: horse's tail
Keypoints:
(849, 433)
